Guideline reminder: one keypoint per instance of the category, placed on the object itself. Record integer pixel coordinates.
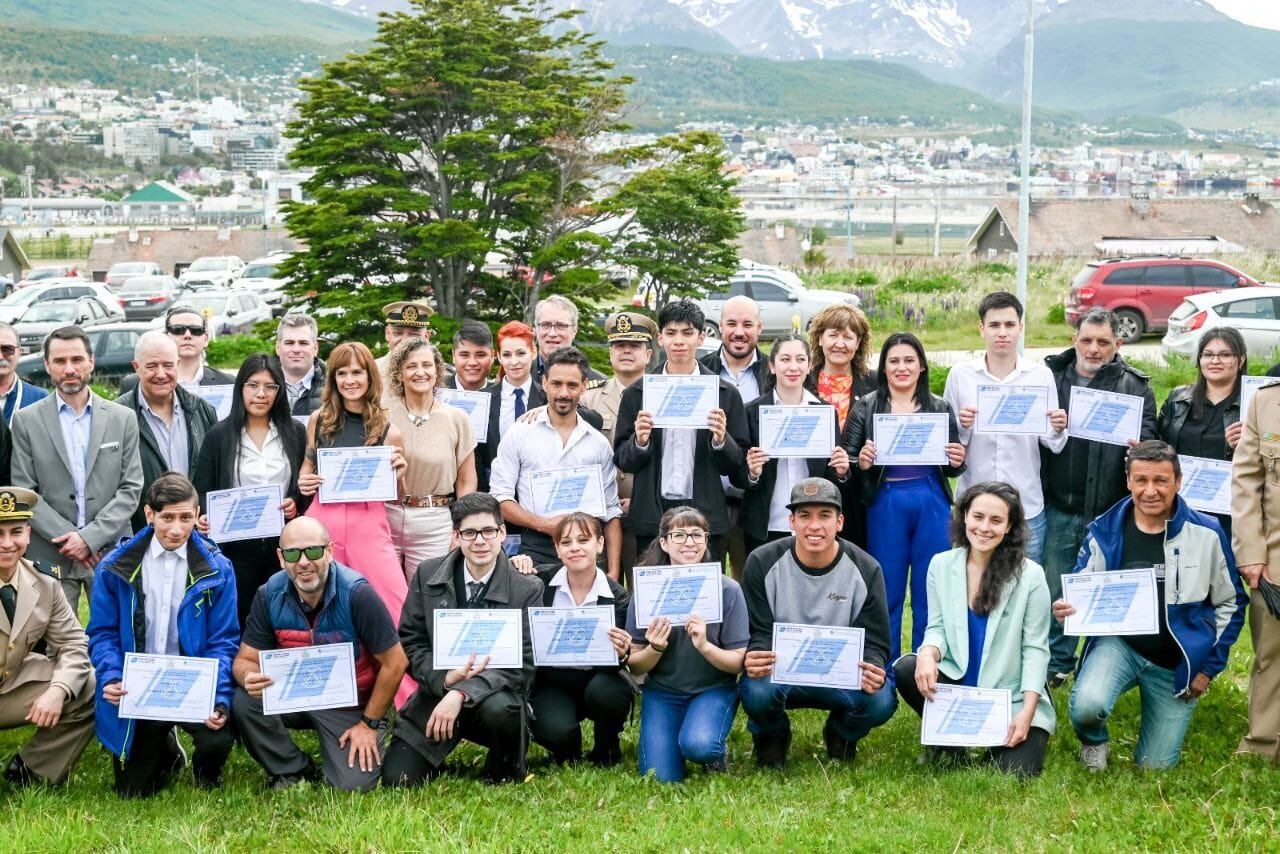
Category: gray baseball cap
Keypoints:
(815, 490)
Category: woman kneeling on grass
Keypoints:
(999, 637)
(690, 695)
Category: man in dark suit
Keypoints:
(190, 332)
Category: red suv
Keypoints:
(1143, 292)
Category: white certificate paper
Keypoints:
(245, 513)
(474, 403)
(168, 688)
(1248, 386)
(820, 656)
(681, 401)
(677, 593)
(1119, 602)
(457, 633)
(959, 716)
(568, 490)
(217, 396)
(309, 678)
(1105, 416)
(356, 474)
(1013, 409)
(1206, 484)
(911, 440)
(798, 431)
(572, 637)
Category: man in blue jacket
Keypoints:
(1200, 606)
(166, 591)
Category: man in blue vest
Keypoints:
(316, 600)
(14, 392)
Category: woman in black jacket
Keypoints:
(908, 506)
(258, 444)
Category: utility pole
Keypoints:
(937, 224)
(893, 230)
(848, 221)
(197, 76)
(1024, 162)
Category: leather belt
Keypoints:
(426, 500)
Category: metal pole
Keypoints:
(893, 231)
(1024, 162)
(848, 221)
(937, 224)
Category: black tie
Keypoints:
(474, 589)
(519, 402)
(9, 599)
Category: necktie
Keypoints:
(474, 588)
(8, 598)
(519, 402)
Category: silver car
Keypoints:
(42, 318)
(121, 271)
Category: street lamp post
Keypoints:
(1024, 162)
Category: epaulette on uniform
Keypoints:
(595, 384)
(54, 571)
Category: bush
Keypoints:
(230, 350)
(1057, 313)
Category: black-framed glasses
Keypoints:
(8, 350)
(312, 553)
(185, 329)
(469, 534)
(682, 537)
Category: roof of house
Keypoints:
(170, 247)
(159, 192)
(11, 244)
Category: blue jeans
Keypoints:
(1064, 532)
(1035, 538)
(678, 727)
(853, 713)
(907, 524)
(1110, 669)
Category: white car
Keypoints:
(261, 277)
(121, 271)
(227, 312)
(212, 270)
(12, 306)
(1255, 311)
(44, 275)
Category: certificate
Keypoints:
(245, 513)
(677, 400)
(1105, 416)
(304, 420)
(459, 633)
(1249, 385)
(309, 678)
(821, 656)
(569, 490)
(798, 431)
(1119, 602)
(1013, 409)
(959, 716)
(677, 593)
(168, 688)
(911, 440)
(356, 474)
(217, 396)
(474, 403)
(1206, 484)
(572, 637)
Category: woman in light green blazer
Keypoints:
(988, 624)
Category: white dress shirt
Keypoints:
(790, 472)
(76, 430)
(263, 467)
(468, 580)
(171, 437)
(1007, 458)
(536, 447)
(564, 599)
(677, 458)
(507, 411)
(164, 582)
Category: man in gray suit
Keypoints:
(80, 453)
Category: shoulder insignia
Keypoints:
(53, 571)
(594, 384)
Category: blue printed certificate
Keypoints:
(1013, 409)
(309, 678)
(677, 593)
(568, 490)
(245, 513)
(1206, 484)
(474, 403)
(798, 431)
(959, 716)
(911, 440)
(356, 474)
(1248, 387)
(496, 634)
(818, 656)
(679, 400)
(1118, 602)
(168, 688)
(572, 637)
(217, 396)
(1105, 416)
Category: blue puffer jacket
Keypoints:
(1204, 600)
(208, 626)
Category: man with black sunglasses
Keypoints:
(188, 329)
(15, 393)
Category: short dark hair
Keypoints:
(183, 308)
(566, 356)
(577, 520)
(473, 503)
(171, 488)
(68, 333)
(999, 299)
(1153, 451)
(1101, 316)
(473, 332)
(681, 311)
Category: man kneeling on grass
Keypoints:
(316, 600)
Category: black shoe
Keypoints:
(280, 782)
(839, 747)
(20, 775)
(606, 754)
(1057, 680)
(500, 768)
(208, 774)
(771, 750)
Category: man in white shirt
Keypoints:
(557, 439)
(1006, 457)
(298, 349)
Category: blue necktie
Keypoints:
(519, 402)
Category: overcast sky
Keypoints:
(1259, 13)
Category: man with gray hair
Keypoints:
(298, 351)
(1087, 477)
(15, 393)
(172, 422)
(555, 322)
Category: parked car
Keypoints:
(13, 306)
(261, 276)
(1255, 312)
(1143, 292)
(785, 302)
(145, 297)
(121, 271)
(213, 270)
(112, 345)
(42, 318)
(44, 275)
(227, 312)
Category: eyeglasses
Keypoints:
(548, 326)
(312, 553)
(1218, 357)
(682, 537)
(181, 329)
(469, 534)
(256, 389)
(8, 350)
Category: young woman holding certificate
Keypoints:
(999, 637)
(764, 505)
(258, 444)
(908, 504)
(690, 694)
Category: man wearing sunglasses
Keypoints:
(190, 333)
(472, 702)
(316, 600)
(15, 393)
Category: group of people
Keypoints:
(109, 500)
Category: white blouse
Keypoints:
(265, 466)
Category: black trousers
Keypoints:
(153, 759)
(753, 542)
(1025, 760)
(254, 562)
(563, 698)
(494, 722)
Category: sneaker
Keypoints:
(20, 775)
(1094, 756)
(838, 747)
(1057, 680)
(771, 750)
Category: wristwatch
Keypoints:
(371, 723)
